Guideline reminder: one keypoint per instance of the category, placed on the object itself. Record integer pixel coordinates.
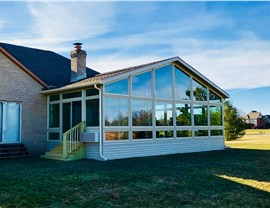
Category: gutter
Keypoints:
(100, 123)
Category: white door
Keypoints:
(10, 122)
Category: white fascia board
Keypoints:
(68, 88)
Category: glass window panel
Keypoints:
(116, 136)
(216, 132)
(215, 115)
(54, 115)
(12, 122)
(142, 85)
(72, 95)
(183, 114)
(182, 85)
(163, 82)
(199, 92)
(92, 92)
(142, 135)
(200, 115)
(201, 133)
(54, 97)
(163, 114)
(119, 87)
(76, 112)
(141, 113)
(164, 134)
(184, 133)
(214, 98)
(54, 136)
(92, 112)
(1, 120)
(116, 111)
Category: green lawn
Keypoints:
(230, 178)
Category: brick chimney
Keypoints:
(78, 62)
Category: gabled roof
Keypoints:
(254, 115)
(47, 66)
(118, 74)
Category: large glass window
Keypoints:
(142, 135)
(216, 132)
(116, 135)
(164, 115)
(92, 112)
(1, 120)
(201, 133)
(182, 85)
(54, 97)
(142, 85)
(141, 113)
(184, 133)
(214, 98)
(164, 134)
(72, 95)
(54, 115)
(200, 115)
(199, 91)
(10, 116)
(116, 111)
(92, 92)
(163, 82)
(119, 87)
(183, 114)
(215, 115)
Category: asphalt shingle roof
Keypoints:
(49, 66)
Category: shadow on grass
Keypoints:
(163, 181)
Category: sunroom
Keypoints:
(162, 108)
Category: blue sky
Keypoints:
(229, 42)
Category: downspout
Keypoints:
(100, 123)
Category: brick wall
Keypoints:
(16, 85)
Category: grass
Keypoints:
(230, 178)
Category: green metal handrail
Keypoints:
(71, 138)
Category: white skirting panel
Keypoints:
(92, 151)
(128, 149)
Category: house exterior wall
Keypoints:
(154, 146)
(18, 86)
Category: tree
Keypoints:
(233, 123)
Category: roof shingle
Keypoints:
(49, 66)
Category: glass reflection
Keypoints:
(163, 82)
(116, 111)
(183, 114)
(116, 136)
(199, 91)
(200, 115)
(184, 133)
(141, 113)
(182, 85)
(164, 115)
(201, 133)
(142, 135)
(119, 87)
(216, 132)
(214, 98)
(141, 85)
(215, 116)
(92, 112)
(164, 134)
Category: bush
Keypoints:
(234, 124)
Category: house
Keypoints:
(255, 119)
(72, 112)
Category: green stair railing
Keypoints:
(71, 139)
